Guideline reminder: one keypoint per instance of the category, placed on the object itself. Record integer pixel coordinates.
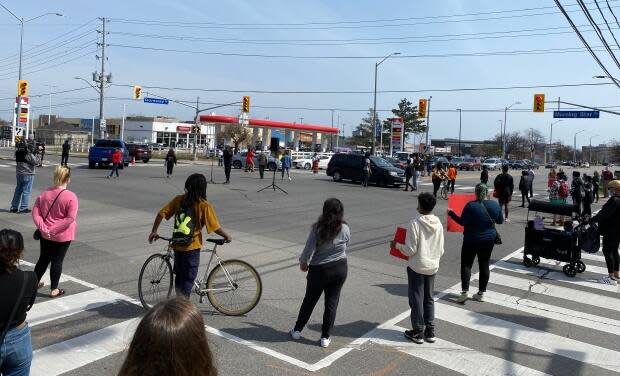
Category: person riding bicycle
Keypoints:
(191, 213)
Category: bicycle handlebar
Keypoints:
(221, 241)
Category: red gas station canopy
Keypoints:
(269, 124)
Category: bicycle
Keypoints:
(233, 287)
(443, 192)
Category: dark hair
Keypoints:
(330, 222)
(170, 340)
(171, 152)
(524, 173)
(439, 165)
(576, 174)
(11, 248)
(504, 168)
(588, 178)
(485, 168)
(427, 202)
(561, 176)
(195, 190)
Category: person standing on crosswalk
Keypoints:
(64, 158)
(479, 237)
(26, 161)
(170, 162)
(55, 215)
(608, 219)
(424, 244)
(18, 290)
(170, 340)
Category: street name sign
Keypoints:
(156, 100)
(576, 114)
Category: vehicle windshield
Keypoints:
(380, 162)
(491, 161)
(108, 144)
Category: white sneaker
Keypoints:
(295, 334)
(289, 178)
(478, 297)
(325, 342)
(462, 298)
(506, 220)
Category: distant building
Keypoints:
(599, 154)
(167, 131)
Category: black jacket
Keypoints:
(504, 185)
(608, 218)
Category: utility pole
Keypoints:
(460, 123)
(102, 79)
(332, 135)
(428, 125)
(196, 129)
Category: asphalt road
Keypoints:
(535, 321)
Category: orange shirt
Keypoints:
(206, 218)
(452, 173)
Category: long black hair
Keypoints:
(330, 222)
(195, 190)
(11, 248)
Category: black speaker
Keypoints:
(274, 145)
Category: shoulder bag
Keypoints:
(14, 310)
(498, 238)
(37, 232)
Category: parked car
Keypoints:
(100, 154)
(273, 163)
(349, 167)
(436, 160)
(306, 163)
(492, 163)
(139, 151)
(469, 164)
(551, 164)
(396, 162)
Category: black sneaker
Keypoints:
(25, 211)
(429, 335)
(414, 337)
(12, 210)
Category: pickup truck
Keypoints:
(101, 153)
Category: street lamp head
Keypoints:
(59, 14)
(599, 76)
(396, 53)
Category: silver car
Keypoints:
(238, 161)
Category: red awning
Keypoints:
(269, 124)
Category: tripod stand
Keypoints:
(273, 183)
(211, 181)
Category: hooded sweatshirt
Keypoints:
(423, 244)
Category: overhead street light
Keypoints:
(22, 21)
(374, 107)
(504, 133)
(575, 145)
(590, 149)
(609, 77)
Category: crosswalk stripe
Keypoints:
(80, 351)
(464, 188)
(5, 166)
(573, 349)
(544, 287)
(589, 268)
(452, 356)
(592, 257)
(71, 304)
(558, 276)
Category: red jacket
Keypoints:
(117, 157)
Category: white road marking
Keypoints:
(80, 351)
(570, 348)
(453, 356)
(559, 265)
(593, 257)
(464, 188)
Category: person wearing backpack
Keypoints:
(608, 218)
(191, 212)
(18, 290)
(577, 193)
(170, 161)
(524, 188)
(504, 186)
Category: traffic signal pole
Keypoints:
(102, 79)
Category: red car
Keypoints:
(470, 164)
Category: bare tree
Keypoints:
(237, 133)
(534, 139)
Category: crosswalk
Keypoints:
(525, 308)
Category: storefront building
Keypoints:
(168, 132)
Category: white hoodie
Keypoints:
(423, 244)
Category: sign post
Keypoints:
(397, 135)
(21, 119)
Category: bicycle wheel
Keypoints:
(155, 282)
(444, 192)
(235, 289)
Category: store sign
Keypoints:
(397, 133)
(184, 129)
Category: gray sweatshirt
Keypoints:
(334, 250)
(25, 162)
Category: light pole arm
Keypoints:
(43, 15)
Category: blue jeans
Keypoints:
(16, 352)
(186, 269)
(22, 192)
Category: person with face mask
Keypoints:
(608, 219)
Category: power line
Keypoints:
(254, 91)
(309, 57)
(612, 13)
(583, 40)
(54, 65)
(53, 93)
(46, 59)
(599, 32)
(606, 23)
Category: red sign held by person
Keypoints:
(457, 203)
(399, 237)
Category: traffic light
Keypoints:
(539, 102)
(422, 108)
(22, 88)
(246, 104)
(137, 92)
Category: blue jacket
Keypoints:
(286, 161)
(478, 226)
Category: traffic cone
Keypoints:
(133, 161)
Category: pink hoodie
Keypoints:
(60, 225)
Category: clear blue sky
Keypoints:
(168, 69)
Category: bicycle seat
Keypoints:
(217, 241)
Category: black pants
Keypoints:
(595, 186)
(610, 250)
(436, 185)
(185, 269)
(451, 185)
(54, 253)
(261, 171)
(530, 189)
(169, 168)
(114, 169)
(407, 184)
(365, 177)
(524, 197)
(64, 159)
(577, 203)
(421, 288)
(587, 207)
(227, 168)
(220, 162)
(42, 156)
(328, 279)
(469, 251)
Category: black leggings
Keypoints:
(524, 197)
(469, 251)
(169, 167)
(436, 185)
(612, 258)
(408, 184)
(329, 279)
(595, 191)
(54, 253)
(451, 186)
